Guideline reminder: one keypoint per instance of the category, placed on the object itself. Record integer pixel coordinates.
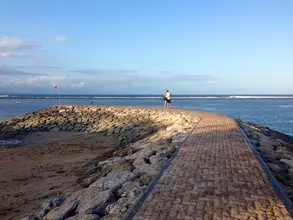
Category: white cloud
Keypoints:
(14, 44)
(13, 47)
(61, 38)
(78, 85)
(9, 54)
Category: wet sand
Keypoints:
(45, 166)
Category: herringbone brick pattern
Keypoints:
(214, 176)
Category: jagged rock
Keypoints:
(84, 217)
(121, 165)
(289, 162)
(62, 212)
(131, 189)
(276, 168)
(94, 201)
(121, 206)
(50, 204)
(87, 201)
(146, 169)
(32, 217)
(114, 180)
(113, 217)
(266, 149)
(157, 161)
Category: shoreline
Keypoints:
(148, 137)
(146, 98)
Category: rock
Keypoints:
(50, 204)
(113, 180)
(266, 149)
(157, 161)
(290, 170)
(146, 169)
(132, 189)
(84, 217)
(93, 201)
(121, 165)
(121, 206)
(113, 217)
(276, 168)
(86, 201)
(142, 157)
(289, 162)
(32, 217)
(62, 212)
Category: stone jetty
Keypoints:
(171, 164)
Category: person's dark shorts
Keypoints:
(168, 100)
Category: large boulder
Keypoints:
(289, 162)
(264, 149)
(91, 200)
(50, 204)
(64, 211)
(84, 217)
(276, 168)
(114, 180)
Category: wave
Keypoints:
(261, 97)
(150, 97)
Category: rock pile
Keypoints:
(126, 124)
(276, 149)
(107, 189)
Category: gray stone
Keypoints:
(276, 168)
(93, 201)
(131, 189)
(84, 217)
(146, 169)
(62, 212)
(157, 161)
(289, 162)
(87, 201)
(266, 149)
(114, 180)
(121, 206)
(32, 217)
(113, 217)
(50, 204)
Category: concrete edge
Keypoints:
(150, 188)
(278, 188)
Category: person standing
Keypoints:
(165, 100)
(167, 96)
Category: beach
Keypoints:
(45, 166)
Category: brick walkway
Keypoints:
(214, 176)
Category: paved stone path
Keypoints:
(214, 176)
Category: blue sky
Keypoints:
(144, 47)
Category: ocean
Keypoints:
(275, 112)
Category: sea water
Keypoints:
(275, 112)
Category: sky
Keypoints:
(145, 47)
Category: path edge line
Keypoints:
(150, 188)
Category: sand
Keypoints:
(45, 166)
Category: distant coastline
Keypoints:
(144, 97)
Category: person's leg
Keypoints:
(168, 103)
(165, 103)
